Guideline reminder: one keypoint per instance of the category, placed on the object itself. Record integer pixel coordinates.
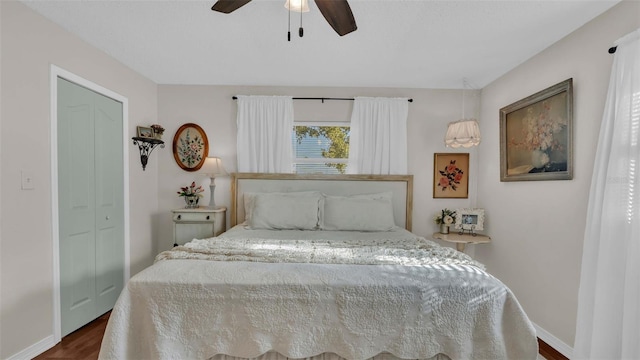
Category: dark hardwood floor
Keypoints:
(548, 352)
(82, 344)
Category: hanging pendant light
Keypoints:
(464, 132)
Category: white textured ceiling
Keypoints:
(399, 43)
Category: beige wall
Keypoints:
(538, 227)
(213, 109)
(29, 45)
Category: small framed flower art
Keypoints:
(451, 175)
(190, 147)
(536, 136)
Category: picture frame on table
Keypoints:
(450, 175)
(536, 136)
(469, 219)
(144, 132)
(190, 147)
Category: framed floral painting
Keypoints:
(190, 147)
(536, 136)
(451, 175)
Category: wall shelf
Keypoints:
(462, 239)
(146, 146)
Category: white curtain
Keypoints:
(608, 323)
(378, 136)
(265, 125)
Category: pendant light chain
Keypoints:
(463, 101)
(464, 87)
(289, 24)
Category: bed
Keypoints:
(321, 267)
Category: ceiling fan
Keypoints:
(337, 12)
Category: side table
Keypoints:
(202, 222)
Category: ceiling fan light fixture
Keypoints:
(297, 5)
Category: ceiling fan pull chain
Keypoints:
(300, 30)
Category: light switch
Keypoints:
(27, 180)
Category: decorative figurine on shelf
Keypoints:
(158, 130)
(191, 195)
(445, 219)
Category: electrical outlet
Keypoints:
(27, 180)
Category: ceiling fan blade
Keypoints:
(228, 6)
(338, 14)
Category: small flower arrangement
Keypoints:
(158, 129)
(445, 217)
(191, 190)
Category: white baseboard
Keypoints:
(34, 350)
(553, 341)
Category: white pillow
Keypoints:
(249, 200)
(280, 211)
(370, 212)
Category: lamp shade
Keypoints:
(213, 167)
(465, 133)
(297, 5)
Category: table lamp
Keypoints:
(213, 167)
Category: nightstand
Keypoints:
(198, 223)
(462, 240)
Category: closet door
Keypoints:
(109, 197)
(90, 204)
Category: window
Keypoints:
(320, 148)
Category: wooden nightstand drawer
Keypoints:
(185, 217)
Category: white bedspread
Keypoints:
(396, 293)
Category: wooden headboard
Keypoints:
(401, 186)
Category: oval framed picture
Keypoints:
(190, 147)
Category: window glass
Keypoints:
(320, 148)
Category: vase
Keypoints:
(539, 158)
(444, 229)
(192, 201)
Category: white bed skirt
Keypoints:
(325, 356)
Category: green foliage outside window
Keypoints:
(338, 137)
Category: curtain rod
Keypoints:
(613, 49)
(320, 98)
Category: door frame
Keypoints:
(55, 73)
